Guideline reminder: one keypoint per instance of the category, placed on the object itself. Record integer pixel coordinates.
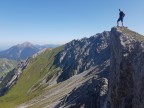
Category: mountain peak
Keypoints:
(25, 44)
(126, 69)
(20, 51)
(127, 32)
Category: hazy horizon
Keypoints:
(58, 22)
(5, 47)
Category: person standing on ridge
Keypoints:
(121, 16)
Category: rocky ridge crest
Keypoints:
(127, 69)
(103, 71)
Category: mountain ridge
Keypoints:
(126, 77)
(23, 51)
(79, 74)
(20, 51)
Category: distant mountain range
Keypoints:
(23, 51)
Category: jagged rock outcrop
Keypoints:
(91, 94)
(126, 88)
(81, 55)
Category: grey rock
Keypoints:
(81, 55)
(127, 69)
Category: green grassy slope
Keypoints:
(6, 66)
(41, 66)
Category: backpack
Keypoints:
(122, 14)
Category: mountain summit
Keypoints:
(24, 50)
(103, 71)
(20, 51)
(126, 82)
(25, 44)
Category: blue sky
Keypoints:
(60, 21)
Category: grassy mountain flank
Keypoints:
(6, 66)
(24, 89)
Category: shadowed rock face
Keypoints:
(81, 55)
(127, 69)
(91, 94)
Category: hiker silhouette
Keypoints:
(121, 16)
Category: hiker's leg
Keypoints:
(122, 21)
(117, 22)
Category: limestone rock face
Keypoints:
(81, 55)
(91, 56)
(126, 87)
